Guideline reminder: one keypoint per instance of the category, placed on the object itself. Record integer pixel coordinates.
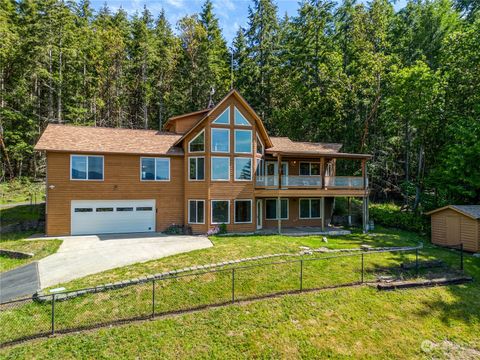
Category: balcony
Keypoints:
(310, 182)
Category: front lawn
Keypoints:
(40, 249)
(236, 247)
(440, 323)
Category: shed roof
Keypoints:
(284, 144)
(472, 211)
(89, 139)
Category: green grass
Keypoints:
(344, 322)
(40, 249)
(236, 247)
(21, 190)
(21, 213)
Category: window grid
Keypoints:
(276, 207)
(196, 161)
(228, 212)
(196, 220)
(154, 168)
(249, 221)
(310, 208)
(87, 171)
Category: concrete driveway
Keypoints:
(79, 256)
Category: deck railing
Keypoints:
(303, 181)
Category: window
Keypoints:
(239, 119)
(243, 141)
(83, 167)
(223, 118)
(197, 168)
(144, 208)
(309, 169)
(271, 209)
(124, 208)
(157, 169)
(260, 167)
(220, 211)
(220, 168)
(220, 140)
(309, 208)
(243, 211)
(104, 209)
(83, 209)
(196, 211)
(197, 144)
(260, 147)
(243, 169)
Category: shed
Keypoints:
(456, 224)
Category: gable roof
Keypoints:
(89, 139)
(240, 98)
(284, 144)
(472, 211)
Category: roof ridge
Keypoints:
(160, 132)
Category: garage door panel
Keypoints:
(112, 216)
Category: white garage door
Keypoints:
(112, 216)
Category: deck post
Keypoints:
(279, 166)
(349, 199)
(322, 172)
(322, 212)
(364, 217)
(279, 214)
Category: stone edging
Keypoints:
(16, 254)
(45, 297)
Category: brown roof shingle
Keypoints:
(472, 211)
(90, 139)
(284, 144)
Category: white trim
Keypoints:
(219, 116)
(248, 122)
(211, 140)
(309, 209)
(235, 168)
(155, 169)
(276, 207)
(211, 212)
(235, 212)
(200, 133)
(188, 205)
(235, 141)
(211, 167)
(86, 167)
(196, 164)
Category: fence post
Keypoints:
(153, 298)
(416, 261)
(53, 314)
(461, 256)
(363, 267)
(233, 285)
(301, 274)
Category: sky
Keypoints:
(232, 14)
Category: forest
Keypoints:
(401, 85)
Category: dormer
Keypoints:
(182, 123)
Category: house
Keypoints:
(453, 225)
(209, 167)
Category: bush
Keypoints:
(391, 215)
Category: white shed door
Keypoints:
(112, 216)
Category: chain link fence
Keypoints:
(29, 318)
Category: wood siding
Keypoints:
(450, 227)
(121, 182)
(221, 190)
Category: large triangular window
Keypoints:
(198, 143)
(240, 119)
(223, 118)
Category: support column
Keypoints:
(364, 218)
(349, 199)
(322, 212)
(279, 166)
(279, 214)
(322, 171)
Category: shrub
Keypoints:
(391, 215)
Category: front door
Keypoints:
(259, 214)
